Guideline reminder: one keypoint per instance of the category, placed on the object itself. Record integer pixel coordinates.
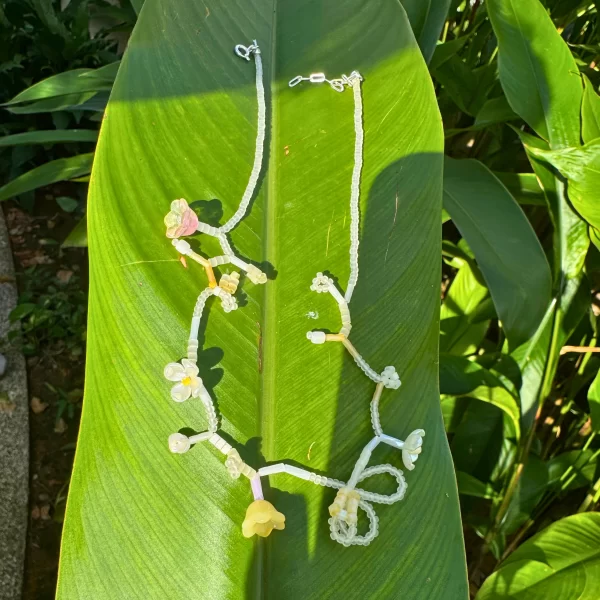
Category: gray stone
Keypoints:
(14, 439)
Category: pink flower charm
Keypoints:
(181, 220)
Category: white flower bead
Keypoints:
(234, 463)
(412, 448)
(228, 302)
(321, 283)
(390, 378)
(186, 374)
(179, 443)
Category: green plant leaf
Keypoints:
(559, 563)
(78, 236)
(590, 112)
(54, 104)
(137, 5)
(459, 375)
(529, 491)
(77, 81)
(500, 397)
(581, 167)
(60, 169)
(538, 73)
(594, 401)
(468, 88)
(427, 19)
(445, 51)
(496, 110)
(53, 136)
(524, 188)
(21, 310)
(479, 439)
(538, 357)
(561, 8)
(584, 468)
(460, 332)
(471, 486)
(506, 248)
(181, 123)
(67, 203)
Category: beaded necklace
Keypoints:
(261, 516)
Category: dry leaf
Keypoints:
(28, 258)
(37, 406)
(60, 426)
(64, 276)
(6, 405)
(45, 512)
(35, 512)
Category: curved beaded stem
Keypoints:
(350, 498)
(356, 80)
(260, 141)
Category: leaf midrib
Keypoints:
(266, 399)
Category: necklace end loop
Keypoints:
(245, 51)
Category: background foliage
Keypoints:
(516, 86)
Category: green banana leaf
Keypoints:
(579, 166)
(560, 562)
(427, 19)
(53, 136)
(537, 70)
(505, 245)
(144, 523)
(61, 169)
(76, 81)
(590, 112)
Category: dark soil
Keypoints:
(55, 366)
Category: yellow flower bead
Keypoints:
(229, 282)
(339, 504)
(261, 519)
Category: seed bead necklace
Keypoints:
(261, 516)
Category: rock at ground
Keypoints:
(14, 439)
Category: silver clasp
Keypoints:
(246, 51)
(336, 84)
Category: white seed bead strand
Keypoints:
(355, 186)
(362, 462)
(225, 244)
(382, 498)
(260, 140)
(366, 369)
(217, 261)
(192, 350)
(375, 420)
(201, 302)
(208, 229)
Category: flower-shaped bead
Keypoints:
(321, 283)
(234, 463)
(179, 443)
(186, 376)
(261, 519)
(412, 448)
(390, 378)
(181, 220)
(228, 302)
